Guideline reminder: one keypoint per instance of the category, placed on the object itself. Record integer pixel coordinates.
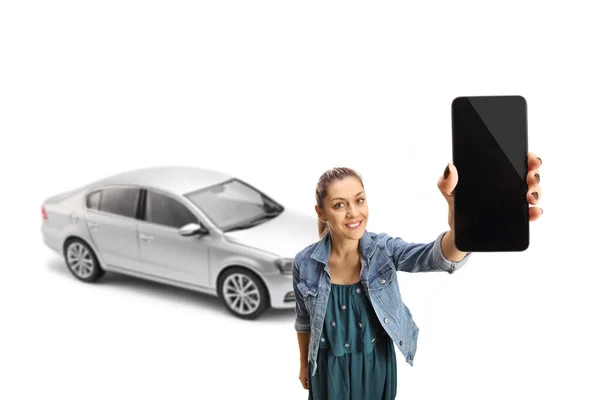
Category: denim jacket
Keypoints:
(381, 257)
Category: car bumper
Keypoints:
(51, 238)
(281, 291)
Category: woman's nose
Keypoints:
(351, 211)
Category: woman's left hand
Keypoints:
(448, 182)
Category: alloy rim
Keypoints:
(80, 260)
(241, 294)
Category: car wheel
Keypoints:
(243, 293)
(81, 261)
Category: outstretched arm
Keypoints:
(425, 257)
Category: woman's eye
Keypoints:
(339, 204)
(361, 200)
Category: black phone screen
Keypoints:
(489, 150)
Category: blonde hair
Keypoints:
(325, 180)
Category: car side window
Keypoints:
(93, 200)
(120, 201)
(165, 210)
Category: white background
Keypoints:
(276, 93)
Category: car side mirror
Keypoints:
(192, 229)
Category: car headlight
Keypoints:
(285, 265)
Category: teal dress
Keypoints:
(356, 358)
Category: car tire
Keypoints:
(82, 261)
(253, 301)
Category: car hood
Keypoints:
(284, 235)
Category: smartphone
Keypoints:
(489, 151)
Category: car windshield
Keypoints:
(234, 205)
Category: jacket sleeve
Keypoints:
(421, 257)
(302, 323)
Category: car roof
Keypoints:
(178, 180)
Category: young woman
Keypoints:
(349, 312)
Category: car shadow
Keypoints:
(169, 293)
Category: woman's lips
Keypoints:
(354, 225)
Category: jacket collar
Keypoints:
(321, 253)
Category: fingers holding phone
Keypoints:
(534, 193)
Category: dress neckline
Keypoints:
(349, 284)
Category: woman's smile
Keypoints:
(353, 225)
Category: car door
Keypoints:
(111, 220)
(163, 251)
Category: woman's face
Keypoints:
(344, 205)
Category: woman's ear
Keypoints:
(319, 213)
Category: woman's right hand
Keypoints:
(304, 375)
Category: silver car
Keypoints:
(193, 228)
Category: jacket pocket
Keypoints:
(309, 292)
(383, 277)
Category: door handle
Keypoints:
(94, 225)
(145, 237)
